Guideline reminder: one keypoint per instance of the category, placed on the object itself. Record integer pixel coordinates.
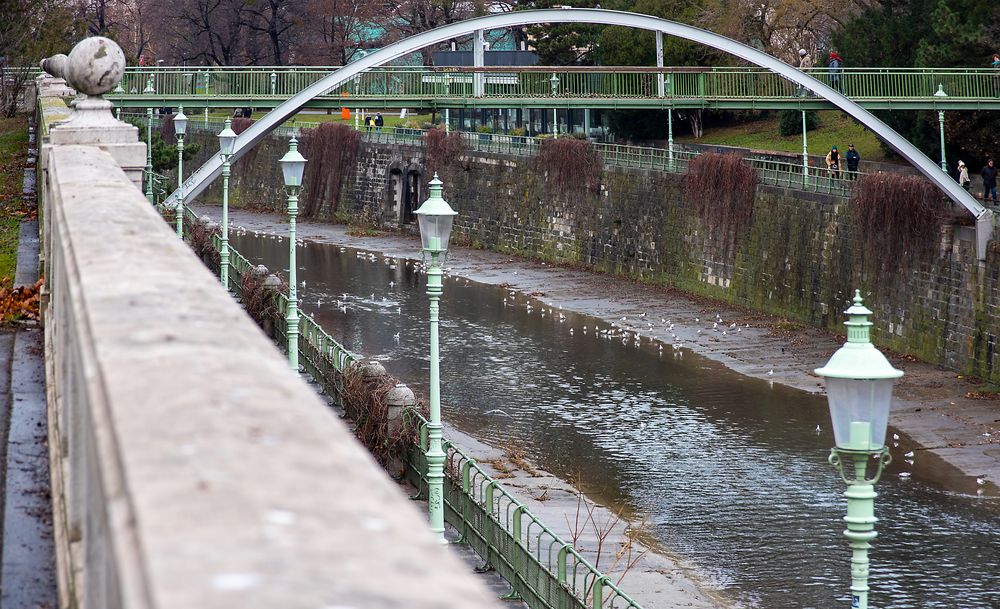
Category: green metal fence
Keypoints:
(542, 568)
(415, 83)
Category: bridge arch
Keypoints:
(201, 178)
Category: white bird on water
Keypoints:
(909, 454)
(392, 284)
(396, 336)
(770, 372)
(498, 411)
(981, 481)
(818, 429)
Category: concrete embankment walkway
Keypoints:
(956, 437)
(27, 569)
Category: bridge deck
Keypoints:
(541, 87)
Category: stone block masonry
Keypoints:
(800, 258)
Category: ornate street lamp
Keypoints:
(180, 128)
(149, 90)
(859, 383)
(435, 218)
(554, 81)
(227, 140)
(293, 164)
(941, 94)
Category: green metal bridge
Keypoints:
(562, 87)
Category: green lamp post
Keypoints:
(293, 165)
(859, 383)
(180, 128)
(227, 140)
(149, 90)
(941, 94)
(435, 218)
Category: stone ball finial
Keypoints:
(94, 66)
(55, 65)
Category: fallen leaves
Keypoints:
(20, 302)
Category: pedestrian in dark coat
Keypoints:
(853, 160)
(990, 181)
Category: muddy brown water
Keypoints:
(728, 471)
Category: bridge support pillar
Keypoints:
(659, 64)
(478, 60)
(984, 232)
(805, 153)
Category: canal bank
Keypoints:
(936, 412)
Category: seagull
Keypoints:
(396, 336)
(770, 372)
(904, 474)
(303, 283)
(392, 284)
(910, 461)
(498, 411)
(981, 481)
(818, 430)
(895, 436)
(909, 454)
(696, 320)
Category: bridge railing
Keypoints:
(244, 84)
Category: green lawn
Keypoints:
(835, 129)
(13, 148)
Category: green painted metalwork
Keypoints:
(542, 568)
(600, 87)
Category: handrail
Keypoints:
(445, 82)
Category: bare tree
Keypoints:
(336, 30)
(273, 20)
(212, 32)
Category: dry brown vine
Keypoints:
(259, 299)
(364, 402)
(199, 236)
(722, 188)
(570, 165)
(896, 217)
(331, 149)
(445, 152)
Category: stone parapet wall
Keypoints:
(192, 469)
(800, 258)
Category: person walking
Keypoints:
(805, 64)
(990, 181)
(995, 64)
(963, 176)
(853, 160)
(369, 124)
(379, 121)
(836, 67)
(833, 162)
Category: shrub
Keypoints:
(722, 188)
(444, 152)
(896, 218)
(570, 165)
(331, 149)
(790, 122)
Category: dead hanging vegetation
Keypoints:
(896, 218)
(445, 152)
(167, 132)
(241, 124)
(331, 149)
(199, 237)
(570, 165)
(259, 299)
(722, 188)
(364, 400)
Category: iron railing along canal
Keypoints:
(542, 568)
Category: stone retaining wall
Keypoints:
(800, 258)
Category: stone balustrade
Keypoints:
(191, 468)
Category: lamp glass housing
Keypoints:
(180, 123)
(435, 231)
(227, 139)
(859, 411)
(293, 165)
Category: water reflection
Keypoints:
(729, 470)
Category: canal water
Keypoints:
(730, 472)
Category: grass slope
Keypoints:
(13, 151)
(835, 129)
